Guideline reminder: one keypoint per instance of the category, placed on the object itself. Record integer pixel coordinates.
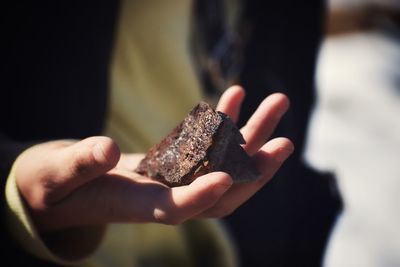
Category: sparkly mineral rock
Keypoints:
(206, 141)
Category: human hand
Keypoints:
(269, 156)
(70, 184)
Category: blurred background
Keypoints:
(336, 202)
(355, 129)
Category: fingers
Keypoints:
(77, 164)
(264, 121)
(268, 159)
(230, 102)
(184, 202)
(122, 197)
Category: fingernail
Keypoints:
(98, 153)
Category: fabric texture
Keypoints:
(148, 97)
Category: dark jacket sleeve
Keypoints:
(288, 221)
(54, 79)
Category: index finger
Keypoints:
(230, 102)
(263, 122)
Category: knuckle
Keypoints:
(250, 127)
(48, 190)
(37, 196)
(39, 200)
(45, 198)
(81, 166)
(49, 198)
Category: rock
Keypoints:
(205, 141)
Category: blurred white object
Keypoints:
(336, 4)
(355, 132)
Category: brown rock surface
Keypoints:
(205, 141)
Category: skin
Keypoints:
(70, 184)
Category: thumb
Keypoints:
(80, 163)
